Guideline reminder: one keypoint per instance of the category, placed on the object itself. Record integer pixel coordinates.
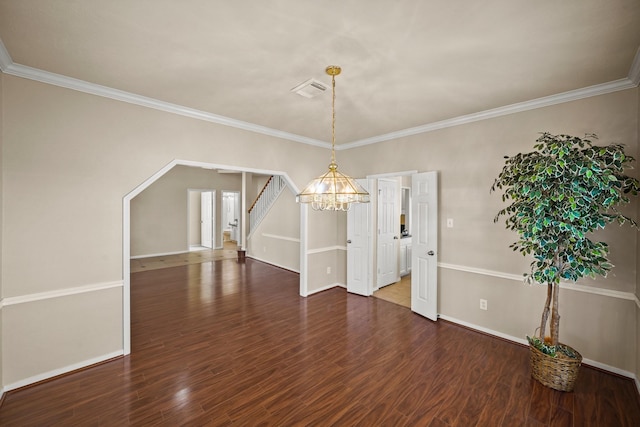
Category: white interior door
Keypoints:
(237, 211)
(424, 231)
(358, 246)
(206, 219)
(388, 232)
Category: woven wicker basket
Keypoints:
(559, 373)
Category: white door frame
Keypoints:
(388, 175)
(200, 190)
(126, 234)
(374, 221)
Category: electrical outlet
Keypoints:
(328, 270)
(449, 222)
(483, 304)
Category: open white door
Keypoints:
(358, 241)
(424, 229)
(238, 218)
(388, 231)
(206, 219)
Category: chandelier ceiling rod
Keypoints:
(333, 191)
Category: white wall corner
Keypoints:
(5, 58)
(325, 288)
(634, 72)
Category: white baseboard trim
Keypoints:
(160, 254)
(22, 299)
(54, 373)
(273, 263)
(483, 329)
(324, 288)
(523, 341)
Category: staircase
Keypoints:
(264, 201)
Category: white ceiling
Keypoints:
(406, 63)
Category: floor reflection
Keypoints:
(228, 251)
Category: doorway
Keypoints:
(397, 293)
(231, 211)
(201, 219)
(422, 251)
(126, 238)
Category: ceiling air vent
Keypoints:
(310, 88)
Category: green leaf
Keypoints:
(557, 195)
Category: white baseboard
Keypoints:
(160, 254)
(273, 263)
(585, 361)
(324, 288)
(54, 373)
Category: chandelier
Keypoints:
(333, 191)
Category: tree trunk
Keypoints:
(555, 316)
(545, 312)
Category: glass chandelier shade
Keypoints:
(333, 191)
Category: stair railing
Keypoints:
(264, 201)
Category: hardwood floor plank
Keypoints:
(540, 403)
(229, 344)
(606, 409)
(560, 417)
(626, 400)
(585, 398)
(494, 411)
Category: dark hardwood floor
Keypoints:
(223, 343)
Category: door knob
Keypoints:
(348, 241)
(431, 253)
(395, 237)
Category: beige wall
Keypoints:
(159, 215)
(69, 158)
(276, 240)
(468, 158)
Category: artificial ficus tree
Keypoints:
(559, 193)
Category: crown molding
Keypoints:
(132, 98)
(533, 104)
(7, 66)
